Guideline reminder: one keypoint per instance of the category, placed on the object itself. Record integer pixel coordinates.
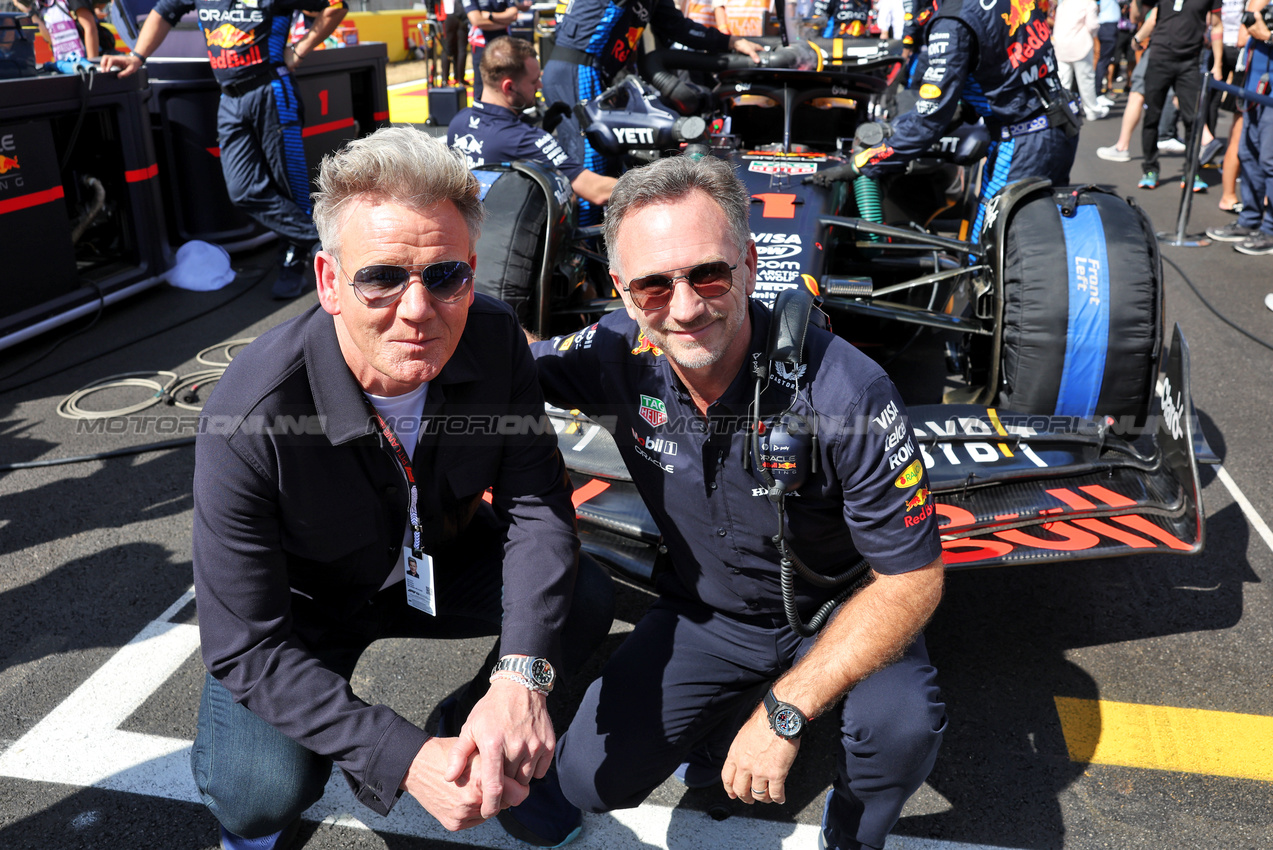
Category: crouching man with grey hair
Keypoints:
(716, 682)
(338, 499)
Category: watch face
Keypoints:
(788, 722)
(541, 672)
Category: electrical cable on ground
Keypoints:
(121, 346)
(1212, 308)
(175, 391)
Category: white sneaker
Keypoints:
(1268, 301)
(1171, 146)
(1096, 114)
(1113, 154)
(1105, 101)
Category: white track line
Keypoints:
(1252, 515)
(79, 743)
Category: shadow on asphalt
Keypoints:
(1001, 639)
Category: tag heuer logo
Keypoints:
(653, 410)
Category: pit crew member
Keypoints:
(492, 130)
(489, 21)
(715, 658)
(260, 116)
(997, 59)
(595, 39)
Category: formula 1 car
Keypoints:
(1053, 420)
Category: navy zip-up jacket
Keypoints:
(300, 509)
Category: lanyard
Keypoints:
(400, 453)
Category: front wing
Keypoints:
(1008, 488)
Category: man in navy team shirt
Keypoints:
(489, 21)
(492, 129)
(260, 117)
(675, 372)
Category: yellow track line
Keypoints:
(1187, 740)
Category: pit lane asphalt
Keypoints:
(91, 553)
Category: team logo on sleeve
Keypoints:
(910, 475)
(653, 410)
(920, 501)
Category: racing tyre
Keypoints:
(1082, 320)
(510, 249)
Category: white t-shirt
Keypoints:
(402, 413)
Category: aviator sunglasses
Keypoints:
(381, 286)
(709, 280)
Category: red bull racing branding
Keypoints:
(644, 345)
(227, 37)
(1030, 32)
(1018, 14)
(923, 507)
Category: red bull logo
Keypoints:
(624, 45)
(644, 345)
(227, 37)
(920, 497)
(1018, 14)
(7, 164)
(1037, 34)
(870, 156)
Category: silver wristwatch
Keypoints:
(537, 671)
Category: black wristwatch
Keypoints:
(785, 719)
(537, 671)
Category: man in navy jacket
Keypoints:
(338, 446)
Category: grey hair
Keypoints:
(666, 180)
(399, 164)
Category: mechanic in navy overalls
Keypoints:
(714, 677)
(595, 39)
(260, 116)
(492, 130)
(995, 56)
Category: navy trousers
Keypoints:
(1047, 153)
(688, 676)
(264, 161)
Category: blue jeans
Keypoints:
(1255, 155)
(255, 780)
